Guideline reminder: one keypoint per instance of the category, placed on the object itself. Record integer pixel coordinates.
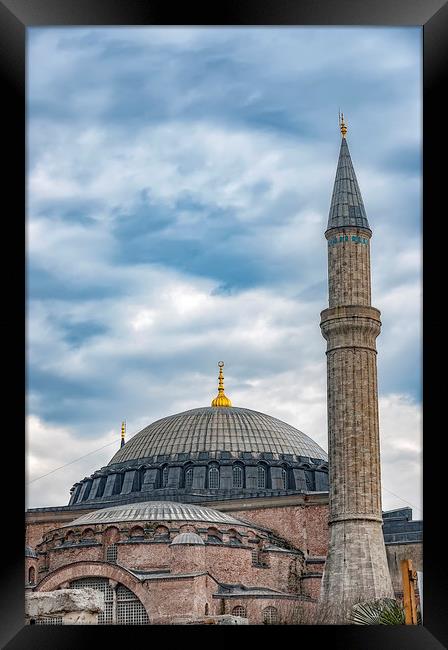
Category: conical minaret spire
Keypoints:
(356, 567)
(347, 207)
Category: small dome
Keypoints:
(29, 552)
(155, 511)
(188, 538)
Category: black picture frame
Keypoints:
(15, 17)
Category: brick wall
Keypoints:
(305, 527)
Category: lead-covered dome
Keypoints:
(206, 454)
(212, 430)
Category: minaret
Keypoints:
(356, 568)
(123, 434)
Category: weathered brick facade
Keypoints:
(235, 565)
(186, 581)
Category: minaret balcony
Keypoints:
(350, 326)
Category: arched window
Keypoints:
(261, 477)
(137, 533)
(187, 528)
(165, 476)
(214, 536)
(136, 484)
(88, 535)
(70, 537)
(118, 483)
(239, 610)
(161, 533)
(234, 537)
(101, 486)
(237, 474)
(31, 575)
(123, 609)
(213, 477)
(284, 478)
(188, 478)
(270, 615)
(111, 553)
(111, 535)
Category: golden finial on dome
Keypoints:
(221, 399)
(342, 124)
(123, 433)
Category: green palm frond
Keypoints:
(385, 611)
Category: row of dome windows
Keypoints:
(212, 480)
(191, 477)
(213, 477)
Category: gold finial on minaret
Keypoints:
(221, 399)
(123, 433)
(342, 124)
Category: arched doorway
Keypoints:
(122, 605)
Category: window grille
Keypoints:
(131, 613)
(237, 476)
(255, 556)
(101, 584)
(270, 615)
(213, 477)
(189, 478)
(123, 593)
(261, 477)
(49, 620)
(111, 553)
(239, 610)
(128, 608)
(284, 478)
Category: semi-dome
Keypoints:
(190, 539)
(212, 430)
(155, 511)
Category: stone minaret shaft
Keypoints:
(356, 568)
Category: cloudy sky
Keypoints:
(179, 181)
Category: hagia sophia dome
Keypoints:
(203, 454)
